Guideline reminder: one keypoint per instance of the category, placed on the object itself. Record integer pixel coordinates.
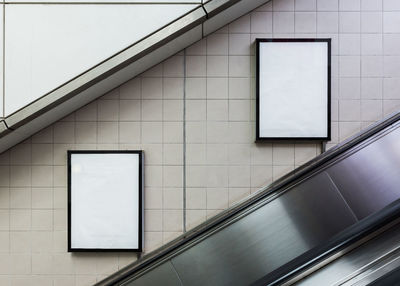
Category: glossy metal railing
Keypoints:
(365, 264)
(320, 208)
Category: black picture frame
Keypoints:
(259, 139)
(70, 153)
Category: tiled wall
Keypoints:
(193, 115)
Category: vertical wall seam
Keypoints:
(184, 141)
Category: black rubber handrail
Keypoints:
(169, 249)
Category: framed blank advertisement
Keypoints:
(105, 201)
(293, 89)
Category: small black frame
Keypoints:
(140, 200)
(285, 139)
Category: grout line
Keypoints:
(184, 141)
(206, 143)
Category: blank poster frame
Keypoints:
(140, 154)
(259, 138)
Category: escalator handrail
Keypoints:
(196, 233)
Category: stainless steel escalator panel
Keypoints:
(163, 274)
(369, 179)
(267, 238)
(356, 263)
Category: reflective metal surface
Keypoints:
(292, 218)
(268, 237)
(370, 179)
(363, 265)
(163, 275)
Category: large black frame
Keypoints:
(140, 200)
(269, 139)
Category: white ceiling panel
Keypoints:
(48, 45)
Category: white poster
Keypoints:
(105, 200)
(293, 89)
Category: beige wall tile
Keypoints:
(108, 110)
(85, 132)
(154, 220)
(195, 217)
(42, 154)
(64, 132)
(172, 176)
(107, 132)
(20, 242)
(43, 136)
(173, 88)
(173, 67)
(42, 176)
(20, 264)
(152, 132)
(4, 220)
(153, 240)
(196, 110)
(217, 110)
(223, 164)
(42, 263)
(241, 25)
(217, 154)
(217, 198)
(196, 88)
(195, 154)
(152, 88)
(42, 241)
(63, 264)
(217, 44)
(173, 110)
(106, 263)
(42, 219)
(173, 154)
(196, 66)
(217, 88)
(152, 110)
(129, 132)
(20, 219)
(4, 242)
(172, 132)
(173, 198)
(173, 220)
(131, 89)
(87, 113)
(261, 22)
(217, 66)
(196, 198)
(196, 176)
(21, 154)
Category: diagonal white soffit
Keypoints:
(48, 45)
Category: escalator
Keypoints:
(307, 228)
